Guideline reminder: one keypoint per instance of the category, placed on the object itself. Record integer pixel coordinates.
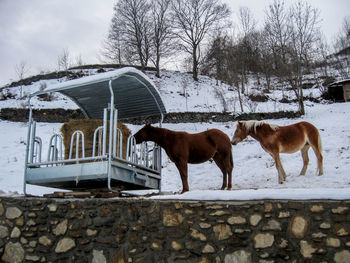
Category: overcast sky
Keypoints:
(37, 31)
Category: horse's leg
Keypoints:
(219, 162)
(280, 170)
(182, 167)
(304, 154)
(229, 170)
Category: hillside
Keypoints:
(178, 91)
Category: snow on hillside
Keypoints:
(179, 93)
(254, 168)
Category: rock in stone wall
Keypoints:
(134, 230)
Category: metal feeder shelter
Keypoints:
(111, 96)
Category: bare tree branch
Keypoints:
(193, 20)
(130, 32)
(163, 41)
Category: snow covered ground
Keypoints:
(254, 174)
(254, 168)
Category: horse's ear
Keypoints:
(240, 125)
(147, 123)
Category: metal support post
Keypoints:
(111, 136)
(27, 148)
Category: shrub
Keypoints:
(258, 97)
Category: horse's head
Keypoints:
(240, 134)
(143, 134)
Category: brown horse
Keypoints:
(183, 148)
(283, 139)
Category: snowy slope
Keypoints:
(179, 93)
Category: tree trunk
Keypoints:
(240, 98)
(268, 81)
(157, 63)
(243, 83)
(195, 63)
(301, 101)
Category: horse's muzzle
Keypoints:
(234, 142)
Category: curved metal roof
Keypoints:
(134, 94)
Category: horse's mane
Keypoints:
(252, 125)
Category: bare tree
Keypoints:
(130, 28)
(265, 58)
(247, 21)
(193, 20)
(323, 52)
(343, 38)
(79, 60)
(214, 63)
(135, 28)
(162, 33)
(247, 27)
(233, 77)
(21, 70)
(277, 32)
(63, 60)
(292, 36)
(112, 49)
(302, 48)
(341, 47)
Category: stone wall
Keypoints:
(139, 230)
(62, 115)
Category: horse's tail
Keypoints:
(313, 134)
(319, 142)
(320, 156)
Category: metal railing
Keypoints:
(38, 146)
(144, 155)
(97, 139)
(77, 135)
(55, 152)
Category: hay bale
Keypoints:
(88, 127)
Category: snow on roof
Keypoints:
(339, 82)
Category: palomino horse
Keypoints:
(183, 148)
(283, 139)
